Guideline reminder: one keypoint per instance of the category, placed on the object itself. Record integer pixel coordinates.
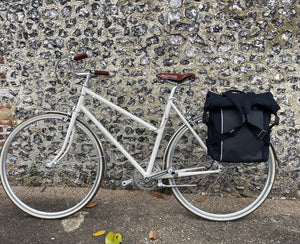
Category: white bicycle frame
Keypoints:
(146, 173)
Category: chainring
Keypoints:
(139, 179)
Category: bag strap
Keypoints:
(276, 122)
(236, 102)
(243, 105)
(234, 90)
(261, 134)
(221, 137)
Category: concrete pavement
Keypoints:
(135, 213)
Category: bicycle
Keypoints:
(55, 152)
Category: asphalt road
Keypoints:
(135, 213)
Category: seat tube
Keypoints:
(161, 131)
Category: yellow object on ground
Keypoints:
(112, 238)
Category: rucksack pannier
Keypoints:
(239, 125)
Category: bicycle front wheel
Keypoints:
(223, 191)
(44, 189)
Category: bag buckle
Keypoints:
(233, 132)
(261, 134)
(245, 118)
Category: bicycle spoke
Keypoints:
(58, 189)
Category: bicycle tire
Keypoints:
(235, 192)
(55, 191)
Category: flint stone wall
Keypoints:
(251, 45)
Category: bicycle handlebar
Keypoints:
(88, 54)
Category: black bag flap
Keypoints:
(264, 101)
(216, 101)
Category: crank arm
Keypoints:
(161, 175)
(127, 182)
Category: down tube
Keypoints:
(113, 140)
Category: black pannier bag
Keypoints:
(239, 125)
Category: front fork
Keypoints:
(68, 140)
(71, 128)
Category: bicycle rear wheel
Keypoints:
(235, 191)
(51, 190)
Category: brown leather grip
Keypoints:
(80, 56)
(99, 72)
